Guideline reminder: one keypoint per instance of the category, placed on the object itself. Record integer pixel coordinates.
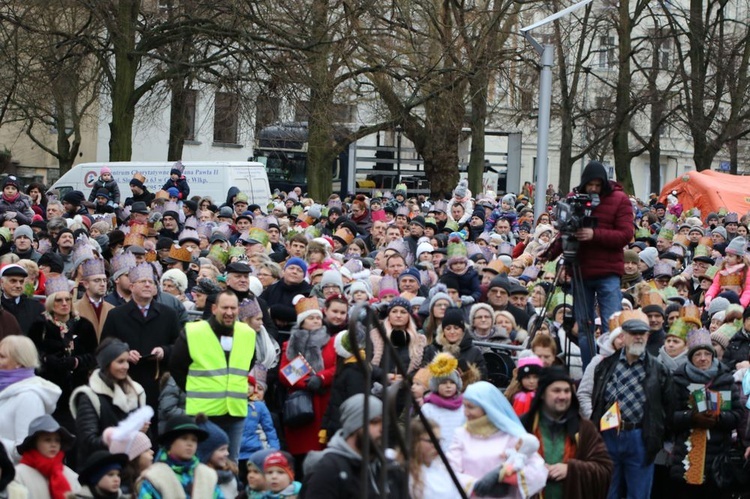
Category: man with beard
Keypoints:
(92, 305)
(64, 243)
(238, 281)
(209, 361)
(554, 419)
(170, 225)
(635, 392)
(139, 191)
(653, 306)
(336, 471)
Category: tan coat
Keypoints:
(86, 310)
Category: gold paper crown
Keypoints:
(628, 315)
(652, 298)
(681, 240)
(498, 266)
(344, 235)
(134, 239)
(140, 229)
(139, 176)
(306, 304)
(730, 280)
(706, 241)
(691, 314)
(181, 254)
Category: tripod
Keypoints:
(569, 266)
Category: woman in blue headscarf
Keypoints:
(495, 448)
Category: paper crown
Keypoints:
(296, 210)
(262, 223)
(134, 239)
(82, 251)
(550, 267)
(259, 235)
(142, 271)
(304, 305)
(642, 233)
(220, 254)
(191, 223)
(180, 253)
(706, 241)
(666, 233)
(680, 329)
(223, 228)
(249, 308)
(204, 231)
(402, 211)
(161, 194)
(440, 206)
(505, 249)
(711, 272)
(430, 222)
(456, 250)
(652, 298)
(92, 267)
(450, 226)
(344, 236)
(172, 206)
(691, 314)
(731, 218)
(662, 269)
(56, 285)
(681, 240)
(122, 263)
(400, 189)
(701, 251)
(630, 315)
(44, 246)
(138, 176)
(178, 166)
(236, 252)
(497, 266)
(698, 338)
(189, 235)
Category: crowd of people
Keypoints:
(163, 345)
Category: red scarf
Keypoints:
(51, 468)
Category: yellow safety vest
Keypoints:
(213, 387)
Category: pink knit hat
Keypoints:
(133, 447)
(104, 170)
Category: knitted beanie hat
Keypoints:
(216, 438)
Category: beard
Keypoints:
(636, 349)
(359, 444)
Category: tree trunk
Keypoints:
(126, 66)
(621, 136)
(177, 120)
(734, 152)
(478, 89)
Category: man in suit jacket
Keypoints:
(92, 306)
(149, 328)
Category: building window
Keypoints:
(664, 53)
(607, 56)
(342, 113)
(191, 97)
(226, 118)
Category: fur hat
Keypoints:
(444, 367)
(178, 277)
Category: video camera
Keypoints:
(571, 214)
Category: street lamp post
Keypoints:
(547, 59)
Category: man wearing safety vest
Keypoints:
(210, 362)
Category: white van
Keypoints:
(205, 178)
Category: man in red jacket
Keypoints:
(600, 255)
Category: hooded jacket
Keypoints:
(23, 402)
(335, 472)
(603, 255)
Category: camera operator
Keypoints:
(600, 255)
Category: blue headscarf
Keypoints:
(496, 407)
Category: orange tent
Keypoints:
(709, 190)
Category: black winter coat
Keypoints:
(59, 355)
(159, 329)
(738, 349)
(111, 186)
(280, 296)
(720, 439)
(181, 185)
(92, 418)
(349, 380)
(468, 354)
(28, 312)
(659, 400)
(147, 197)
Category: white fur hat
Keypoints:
(178, 277)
